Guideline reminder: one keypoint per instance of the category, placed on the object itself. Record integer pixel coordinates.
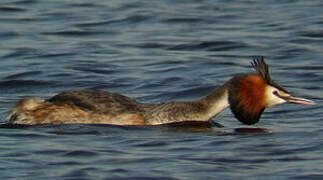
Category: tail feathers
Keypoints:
(21, 113)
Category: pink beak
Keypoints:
(298, 100)
(295, 100)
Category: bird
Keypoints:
(247, 95)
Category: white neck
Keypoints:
(216, 102)
(219, 106)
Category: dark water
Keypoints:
(160, 51)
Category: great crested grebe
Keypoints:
(246, 94)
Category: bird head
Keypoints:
(250, 94)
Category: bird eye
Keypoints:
(275, 92)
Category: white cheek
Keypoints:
(271, 99)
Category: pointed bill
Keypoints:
(295, 100)
(298, 100)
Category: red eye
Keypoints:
(275, 92)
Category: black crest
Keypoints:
(262, 69)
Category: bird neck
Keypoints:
(216, 102)
(202, 109)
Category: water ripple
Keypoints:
(11, 9)
(21, 52)
(161, 51)
(23, 83)
(76, 33)
(80, 154)
(184, 20)
(308, 176)
(8, 35)
(22, 75)
(313, 34)
(25, 2)
(211, 46)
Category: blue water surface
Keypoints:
(158, 51)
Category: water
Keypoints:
(159, 51)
